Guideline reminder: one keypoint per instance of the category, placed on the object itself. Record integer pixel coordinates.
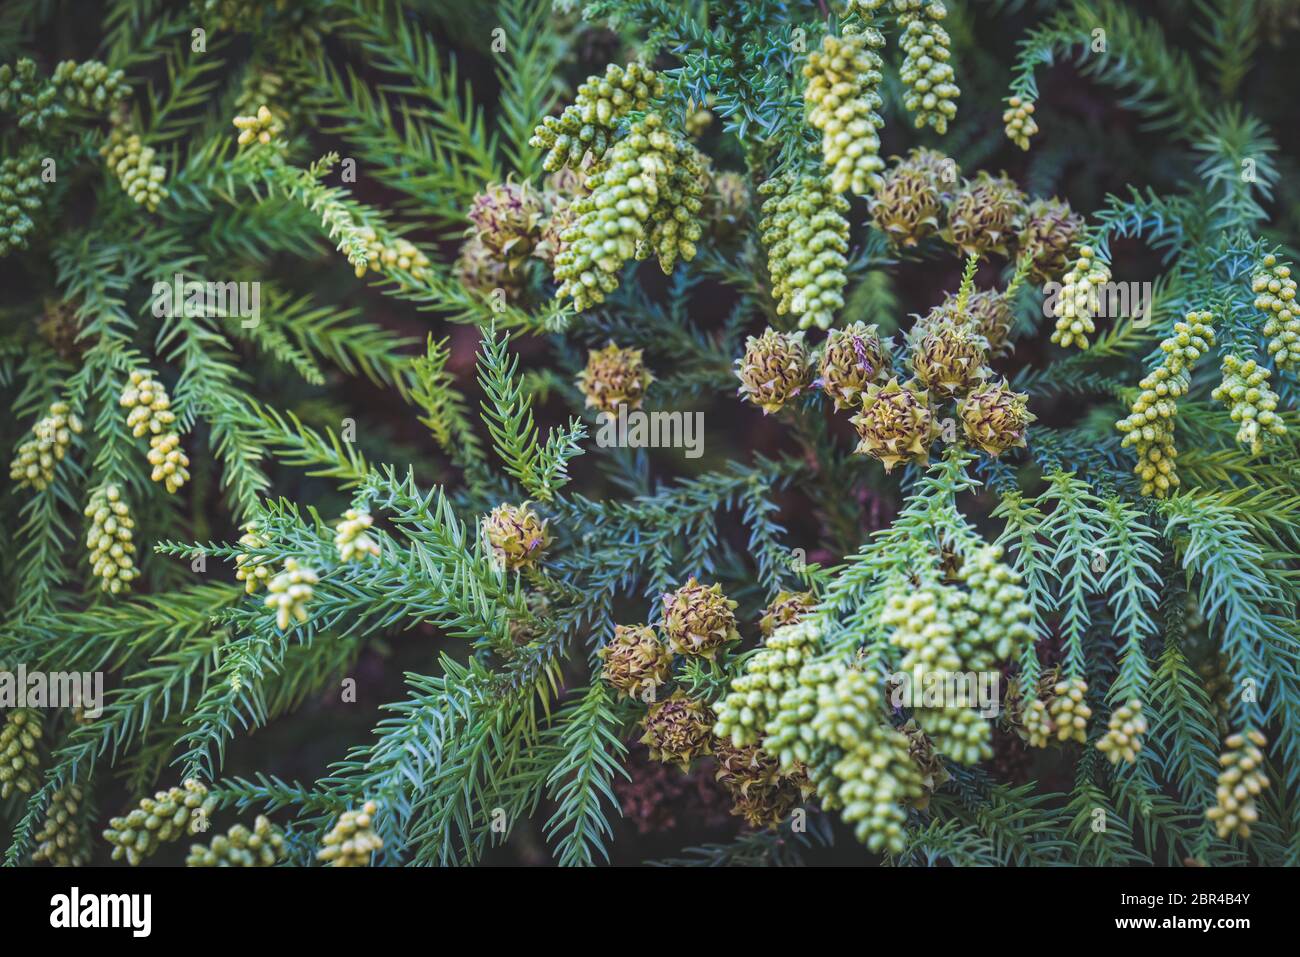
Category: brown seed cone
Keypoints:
(948, 358)
(1048, 234)
(516, 534)
(699, 620)
(852, 358)
(774, 369)
(909, 204)
(636, 662)
(614, 377)
(678, 730)
(987, 310)
(896, 424)
(985, 215)
(787, 608)
(994, 417)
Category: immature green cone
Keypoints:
(109, 540)
(1079, 300)
(842, 97)
(677, 730)
(852, 359)
(787, 608)
(1123, 738)
(1018, 118)
(699, 620)
(957, 733)
(89, 85)
(1069, 712)
(516, 535)
(774, 370)
(930, 92)
(260, 127)
(263, 846)
(877, 774)
(588, 124)
(948, 357)
(1250, 401)
(507, 218)
(51, 437)
(133, 164)
(919, 619)
(645, 199)
(993, 619)
(1149, 427)
(896, 424)
(635, 661)
(994, 417)
(1049, 231)
(909, 202)
(151, 415)
(350, 536)
(984, 215)
(249, 570)
(806, 234)
(1241, 780)
(747, 712)
(613, 378)
(988, 311)
(19, 754)
(160, 819)
(351, 842)
(62, 841)
(1275, 297)
(289, 592)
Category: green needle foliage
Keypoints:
(408, 517)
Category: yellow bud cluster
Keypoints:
(1275, 297)
(352, 841)
(62, 840)
(391, 253)
(151, 415)
(1123, 738)
(249, 570)
(133, 164)
(289, 593)
(1069, 712)
(160, 819)
(19, 755)
(109, 540)
(1241, 780)
(1079, 300)
(1018, 118)
(34, 463)
(1250, 401)
(350, 536)
(263, 126)
(931, 93)
(1149, 428)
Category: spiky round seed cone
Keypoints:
(352, 841)
(507, 219)
(787, 608)
(1241, 781)
(1018, 119)
(896, 424)
(761, 794)
(289, 592)
(994, 417)
(746, 712)
(261, 127)
(678, 730)
(988, 311)
(774, 370)
(948, 357)
(930, 92)
(635, 661)
(1250, 401)
(852, 359)
(482, 271)
(263, 846)
(588, 124)
(1149, 427)
(20, 756)
(350, 538)
(909, 203)
(51, 437)
(699, 619)
(248, 569)
(22, 192)
(934, 774)
(645, 199)
(516, 534)
(1049, 232)
(109, 540)
(613, 378)
(1275, 297)
(1123, 738)
(62, 841)
(985, 215)
(806, 234)
(1079, 299)
(842, 97)
(160, 819)
(1068, 710)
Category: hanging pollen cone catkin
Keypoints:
(842, 97)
